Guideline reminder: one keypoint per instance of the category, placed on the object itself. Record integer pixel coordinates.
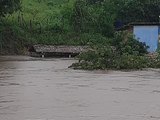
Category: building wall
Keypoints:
(147, 34)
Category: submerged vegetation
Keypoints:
(79, 22)
(127, 54)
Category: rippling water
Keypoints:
(46, 89)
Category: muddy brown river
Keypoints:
(46, 89)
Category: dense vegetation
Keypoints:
(128, 53)
(8, 6)
(74, 22)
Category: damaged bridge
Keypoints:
(56, 51)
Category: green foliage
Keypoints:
(94, 1)
(106, 58)
(138, 10)
(12, 39)
(107, 18)
(74, 22)
(99, 57)
(131, 62)
(79, 16)
(94, 16)
(125, 43)
(68, 39)
(8, 6)
(123, 52)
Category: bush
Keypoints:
(131, 62)
(108, 59)
(125, 43)
(13, 39)
(8, 6)
(99, 57)
(127, 53)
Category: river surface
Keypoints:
(46, 89)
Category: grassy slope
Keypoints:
(44, 15)
(15, 30)
(45, 10)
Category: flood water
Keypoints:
(46, 89)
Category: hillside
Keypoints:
(37, 22)
(70, 22)
(43, 11)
